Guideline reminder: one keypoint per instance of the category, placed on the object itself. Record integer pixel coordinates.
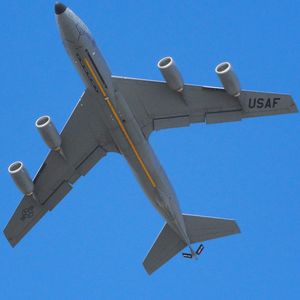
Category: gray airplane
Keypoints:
(117, 114)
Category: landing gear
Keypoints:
(194, 254)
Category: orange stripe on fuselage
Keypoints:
(122, 127)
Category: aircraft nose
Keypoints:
(59, 8)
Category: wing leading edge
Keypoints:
(85, 140)
(156, 107)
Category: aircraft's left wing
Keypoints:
(85, 141)
(155, 106)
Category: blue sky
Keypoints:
(93, 244)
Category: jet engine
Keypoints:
(171, 74)
(48, 132)
(228, 78)
(21, 178)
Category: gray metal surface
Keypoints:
(202, 228)
(48, 132)
(21, 177)
(199, 229)
(228, 78)
(171, 74)
(167, 244)
(117, 114)
(85, 142)
(156, 107)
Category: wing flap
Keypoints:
(90, 161)
(177, 121)
(221, 117)
(58, 194)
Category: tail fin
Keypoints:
(199, 228)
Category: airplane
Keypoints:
(118, 114)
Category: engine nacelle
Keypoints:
(228, 78)
(171, 74)
(48, 132)
(21, 178)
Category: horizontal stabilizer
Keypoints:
(167, 245)
(199, 228)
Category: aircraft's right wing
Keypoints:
(85, 140)
(155, 106)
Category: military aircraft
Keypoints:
(117, 114)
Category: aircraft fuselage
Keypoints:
(119, 119)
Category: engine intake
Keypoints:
(171, 74)
(21, 178)
(49, 132)
(228, 78)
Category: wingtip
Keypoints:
(235, 227)
(148, 270)
(11, 240)
(294, 108)
(292, 104)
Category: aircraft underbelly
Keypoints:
(162, 195)
(127, 134)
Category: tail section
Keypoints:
(167, 245)
(199, 228)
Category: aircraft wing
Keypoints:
(156, 107)
(85, 141)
